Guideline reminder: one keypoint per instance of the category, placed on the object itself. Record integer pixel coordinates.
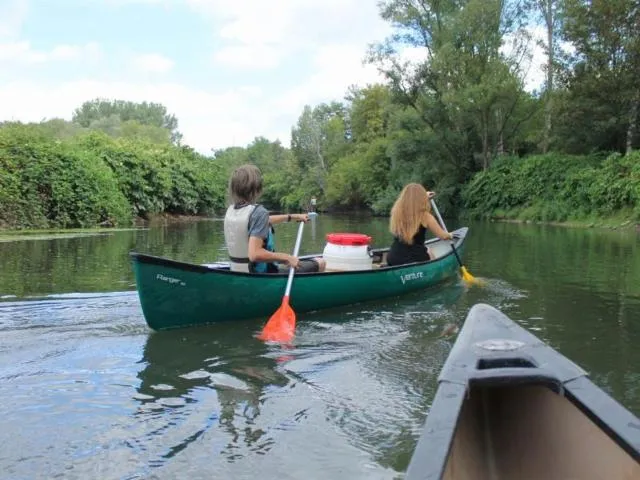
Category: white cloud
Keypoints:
(12, 16)
(327, 39)
(22, 53)
(152, 63)
(248, 57)
(118, 3)
(335, 68)
(267, 32)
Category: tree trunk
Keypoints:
(633, 122)
(317, 140)
(548, 17)
(485, 140)
(499, 129)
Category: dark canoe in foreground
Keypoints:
(177, 294)
(509, 406)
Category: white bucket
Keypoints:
(347, 251)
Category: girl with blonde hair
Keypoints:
(410, 219)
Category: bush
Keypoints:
(91, 179)
(47, 184)
(555, 187)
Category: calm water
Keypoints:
(89, 392)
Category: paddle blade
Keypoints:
(467, 277)
(281, 326)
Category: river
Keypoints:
(88, 391)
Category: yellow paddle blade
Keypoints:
(281, 326)
(467, 277)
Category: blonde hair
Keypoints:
(408, 212)
(245, 184)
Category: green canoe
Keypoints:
(177, 294)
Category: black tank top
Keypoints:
(401, 253)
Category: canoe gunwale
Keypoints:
(609, 414)
(474, 363)
(460, 235)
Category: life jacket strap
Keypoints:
(239, 259)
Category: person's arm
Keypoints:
(257, 253)
(438, 231)
(299, 217)
(259, 228)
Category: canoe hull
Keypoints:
(176, 294)
(509, 406)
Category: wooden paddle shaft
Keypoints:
(435, 209)
(455, 252)
(296, 249)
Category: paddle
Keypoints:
(282, 324)
(466, 276)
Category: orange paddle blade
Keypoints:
(281, 326)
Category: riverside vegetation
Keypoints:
(461, 123)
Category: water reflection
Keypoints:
(90, 393)
(399, 355)
(313, 227)
(222, 367)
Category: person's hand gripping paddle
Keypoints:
(282, 324)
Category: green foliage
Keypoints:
(92, 179)
(116, 128)
(358, 179)
(370, 112)
(107, 115)
(598, 108)
(160, 178)
(556, 188)
(46, 183)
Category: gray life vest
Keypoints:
(236, 236)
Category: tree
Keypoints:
(603, 83)
(318, 140)
(369, 112)
(145, 113)
(550, 12)
(465, 90)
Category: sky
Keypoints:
(230, 70)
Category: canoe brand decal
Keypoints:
(407, 277)
(171, 280)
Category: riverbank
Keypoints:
(162, 219)
(618, 222)
(138, 223)
(558, 189)
(7, 235)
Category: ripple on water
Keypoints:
(90, 387)
(117, 312)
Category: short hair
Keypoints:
(245, 184)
